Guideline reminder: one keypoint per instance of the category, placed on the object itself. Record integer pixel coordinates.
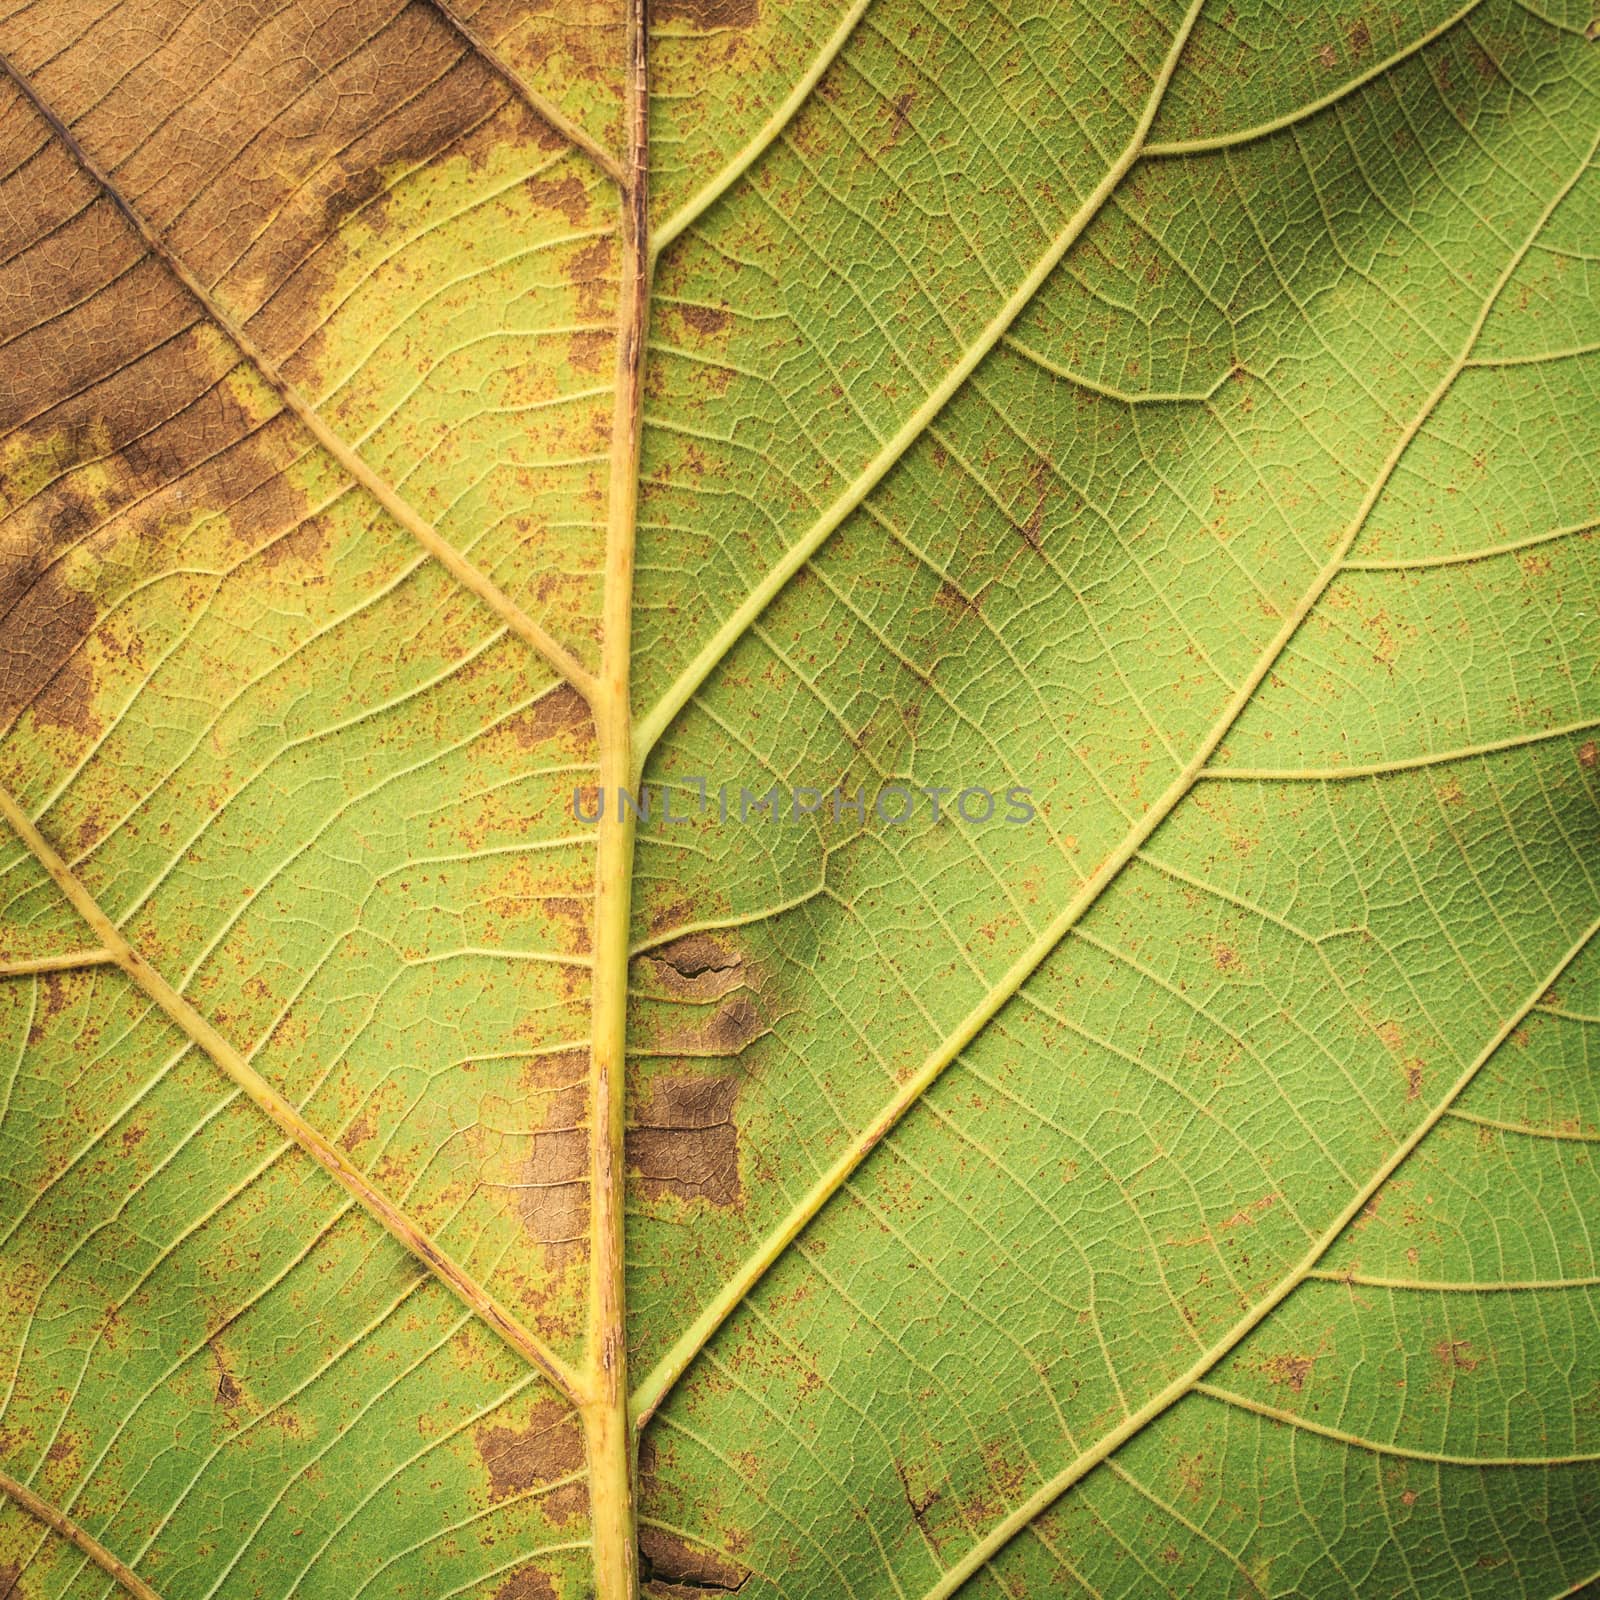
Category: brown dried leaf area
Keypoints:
(567, 50)
(699, 1001)
(684, 1140)
(170, 529)
(372, 186)
(105, 489)
(680, 1569)
(543, 1451)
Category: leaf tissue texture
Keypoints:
(1175, 424)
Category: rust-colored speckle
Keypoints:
(1289, 1371)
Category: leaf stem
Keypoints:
(613, 1517)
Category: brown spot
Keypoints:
(1032, 529)
(1192, 1474)
(671, 1558)
(1328, 56)
(675, 912)
(1588, 755)
(949, 598)
(10, 1578)
(550, 1446)
(705, 319)
(1289, 1371)
(575, 915)
(589, 351)
(1408, 1497)
(710, 15)
(592, 273)
(1360, 39)
(684, 1141)
(1413, 1079)
(900, 117)
(303, 545)
(566, 195)
(696, 954)
(527, 1583)
(1455, 1355)
(732, 1027)
(552, 1188)
(921, 1498)
(696, 967)
(555, 712)
(228, 1391)
(1245, 1217)
(359, 1131)
(1224, 958)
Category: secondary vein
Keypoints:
(322, 1150)
(46, 1513)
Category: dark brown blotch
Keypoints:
(684, 1566)
(705, 319)
(685, 1142)
(711, 15)
(527, 1583)
(548, 1447)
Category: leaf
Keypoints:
(1175, 426)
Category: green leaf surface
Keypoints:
(1188, 416)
